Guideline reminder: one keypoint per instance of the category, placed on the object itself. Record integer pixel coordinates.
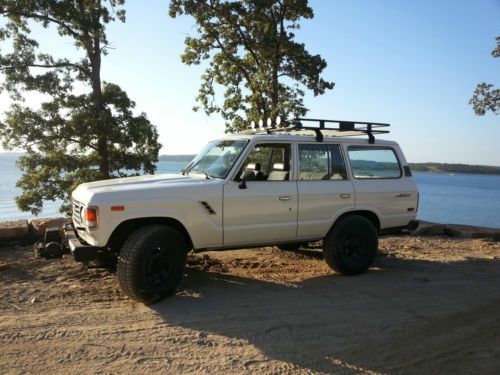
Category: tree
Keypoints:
(251, 51)
(74, 136)
(485, 97)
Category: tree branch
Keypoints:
(41, 17)
(240, 32)
(48, 66)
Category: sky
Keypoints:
(413, 64)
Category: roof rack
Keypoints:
(320, 129)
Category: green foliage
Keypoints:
(72, 137)
(252, 53)
(485, 97)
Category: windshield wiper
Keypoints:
(201, 171)
(185, 171)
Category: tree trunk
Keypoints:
(102, 142)
(275, 94)
(275, 72)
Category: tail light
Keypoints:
(91, 217)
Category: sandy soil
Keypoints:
(430, 305)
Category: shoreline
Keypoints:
(29, 231)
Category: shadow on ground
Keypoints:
(405, 316)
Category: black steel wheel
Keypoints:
(151, 263)
(351, 245)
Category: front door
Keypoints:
(266, 210)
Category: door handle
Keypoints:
(403, 195)
(345, 195)
(285, 198)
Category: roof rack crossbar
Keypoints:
(321, 128)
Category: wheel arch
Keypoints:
(125, 228)
(370, 215)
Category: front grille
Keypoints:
(77, 213)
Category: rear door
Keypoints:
(325, 191)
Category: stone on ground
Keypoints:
(39, 226)
(10, 229)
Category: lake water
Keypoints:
(458, 199)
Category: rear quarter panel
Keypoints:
(394, 200)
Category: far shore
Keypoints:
(427, 167)
(423, 167)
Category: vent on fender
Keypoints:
(207, 207)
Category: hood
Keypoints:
(119, 183)
(119, 186)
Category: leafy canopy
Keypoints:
(252, 53)
(84, 129)
(485, 97)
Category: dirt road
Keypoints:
(430, 305)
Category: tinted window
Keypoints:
(338, 171)
(374, 163)
(321, 162)
(267, 162)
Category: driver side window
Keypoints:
(267, 162)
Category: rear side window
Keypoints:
(370, 162)
(321, 162)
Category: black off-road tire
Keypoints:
(151, 263)
(351, 245)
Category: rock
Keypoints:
(451, 232)
(430, 230)
(426, 228)
(11, 229)
(39, 226)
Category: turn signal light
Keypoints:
(91, 217)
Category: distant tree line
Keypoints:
(177, 158)
(454, 168)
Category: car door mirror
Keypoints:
(243, 183)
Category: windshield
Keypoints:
(217, 158)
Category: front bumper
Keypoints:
(82, 252)
(64, 240)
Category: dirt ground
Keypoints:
(430, 305)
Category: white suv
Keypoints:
(276, 186)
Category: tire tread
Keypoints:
(126, 270)
(330, 246)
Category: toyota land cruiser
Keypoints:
(281, 185)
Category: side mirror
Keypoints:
(243, 183)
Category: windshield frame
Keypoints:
(192, 165)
